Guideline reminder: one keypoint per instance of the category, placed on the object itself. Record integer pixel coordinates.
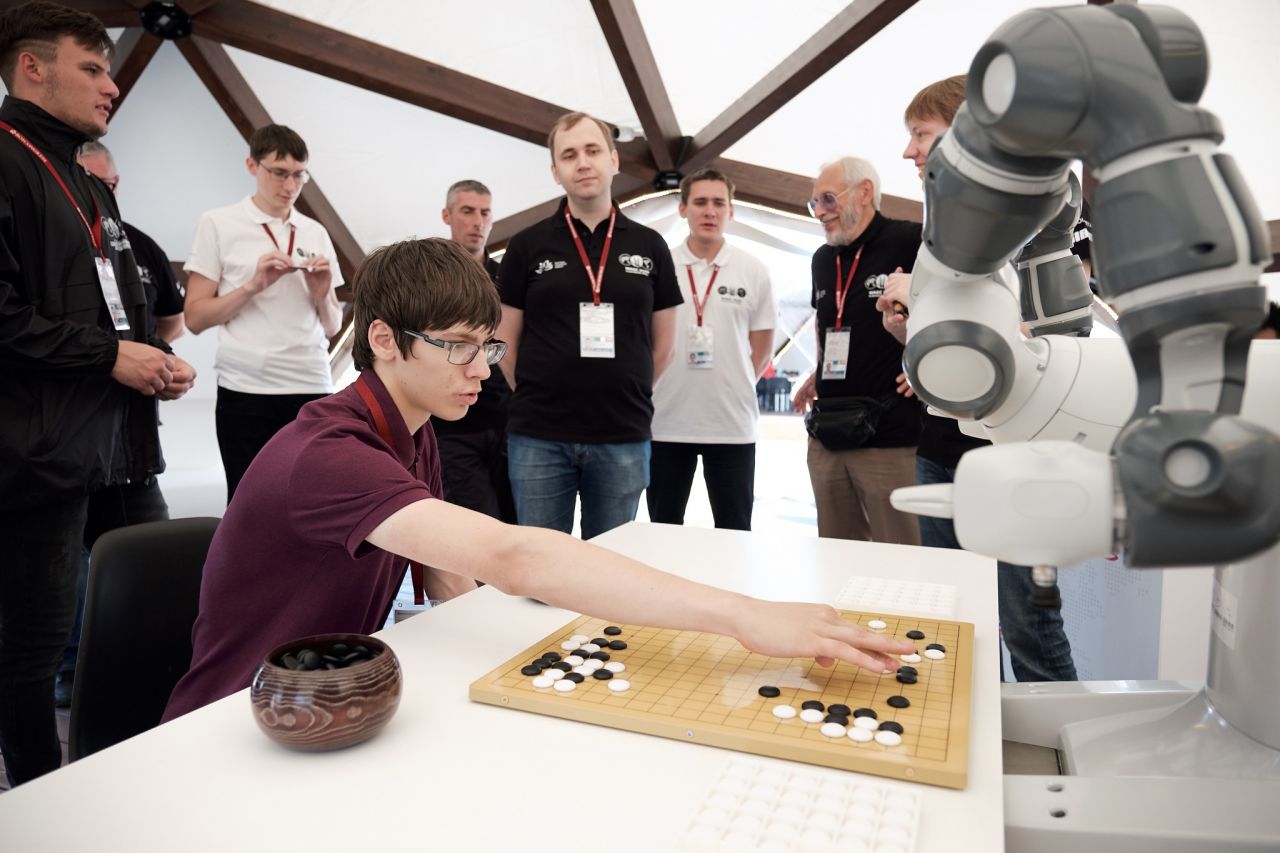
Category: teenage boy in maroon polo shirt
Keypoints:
(337, 502)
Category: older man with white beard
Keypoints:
(862, 433)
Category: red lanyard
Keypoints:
(596, 278)
(384, 430)
(293, 232)
(95, 230)
(699, 307)
(842, 292)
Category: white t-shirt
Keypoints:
(275, 345)
(715, 405)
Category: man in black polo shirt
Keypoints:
(863, 435)
(473, 450)
(588, 311)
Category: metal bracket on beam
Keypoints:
(166, 20)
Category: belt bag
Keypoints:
(845, 423)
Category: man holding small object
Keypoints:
(862, 434)
(265, 275)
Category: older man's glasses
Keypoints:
(826, 201)
(282, 175)
(462, 352)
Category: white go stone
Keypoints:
(565, 685)
(784, 712)
(615, 666)
(569, 645)
(911, 658)
(832, 730)
(579, 638)
(869, 723)
(589, 647)
(934, 654)
(857, 734)
(544, 681)
(888, 738)
(617, 685)
(592, 664)
(877, 624)
(811, 715)
(575, 660)
(553, 674)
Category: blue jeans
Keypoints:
(1038, 646)
(547, 477)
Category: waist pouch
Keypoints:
(845, 423)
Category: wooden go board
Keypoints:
(703, 688)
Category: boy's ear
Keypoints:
(382, 340)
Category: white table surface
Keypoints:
(449, 774)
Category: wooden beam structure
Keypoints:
(624, 33)
(850, 29)
(229, 88)
(134, 50)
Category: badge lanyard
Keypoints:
(842, 292)
(384, 431)
(700, 307)
(95, 230)
(596, 278)
(293, 232)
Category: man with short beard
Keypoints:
(863, 435)
(77, 364)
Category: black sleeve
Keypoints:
(666, 289)
(511, 275)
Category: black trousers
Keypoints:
(112, 507)
(246, 422)
(473, 466)
(728, 469)
(38, 570)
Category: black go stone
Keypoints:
(531, 670)
(915, 635)
(562, 666)
(602, 674)
(612, 631)
(908, 670)
(812, 705)
(769, 692)
(339, 650)
(891, 726)
(575, 677)
(289, 660)
(600, 656)
(937, 646)
(600, 641)
(551, 656)
(906, 678)
(839, 710)
(308, 660)
(617, 645)
(865, 712)
(842, 719)
(899, 702)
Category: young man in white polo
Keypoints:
(705, 404)
(264, 275)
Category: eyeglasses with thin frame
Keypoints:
(282, 175)
(826, 201)
(462, 352)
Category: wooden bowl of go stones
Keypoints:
(326, 692)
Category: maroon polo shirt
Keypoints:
(289, 558)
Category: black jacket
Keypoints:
(64, 422)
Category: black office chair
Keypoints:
(143, 595)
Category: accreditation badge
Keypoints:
(835, 354)
(595, 330)
(111, 293)
(700, 346)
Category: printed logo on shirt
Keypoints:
(548, 266)
(875, 285)
(144, 273)
(637, 264)
(732, 295)
(115, 234)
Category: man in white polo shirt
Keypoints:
(705, 405)
(264, 274)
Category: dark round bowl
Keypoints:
(325, 709)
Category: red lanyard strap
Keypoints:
(596, 278)
(95, 230)
(842, 292)
(293, 232)
(700, 307)
(384, 430)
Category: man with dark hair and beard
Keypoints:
(77, 363)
